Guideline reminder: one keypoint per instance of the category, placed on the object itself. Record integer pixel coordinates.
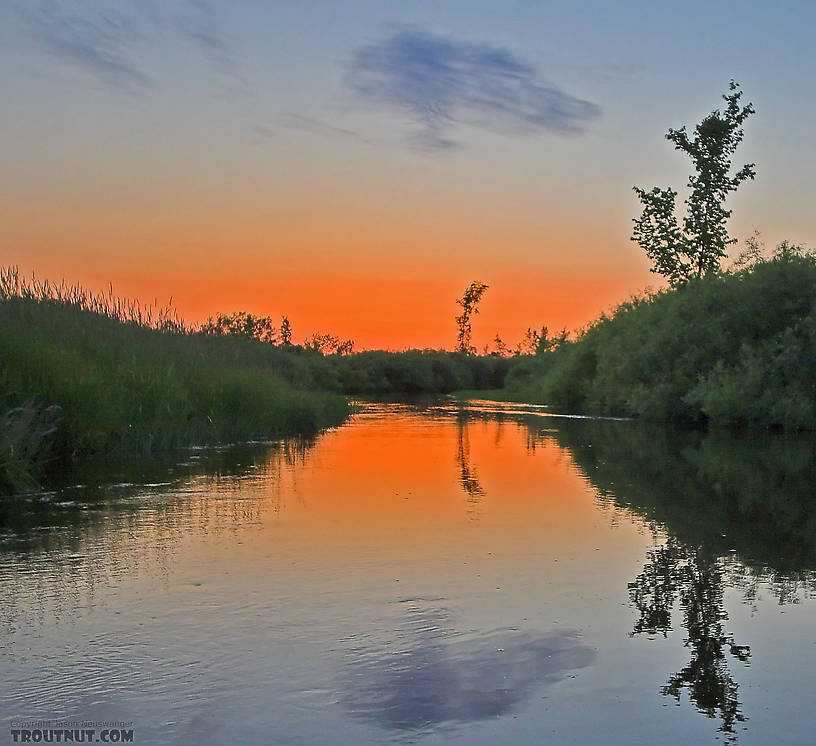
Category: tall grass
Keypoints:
(15, 286)
(115, 375)
(82, 374)
(25, 443)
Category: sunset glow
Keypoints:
(325, 163)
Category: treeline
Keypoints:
(731, 348)
(84, 374)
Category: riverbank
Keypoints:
(83, 375)
(734, 348)
(77, 381)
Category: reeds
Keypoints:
(25, 439)
(84, 373)
(13, 285)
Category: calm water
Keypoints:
(441, 574)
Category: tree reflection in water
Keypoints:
(674, 571)
(738, 511)
(468, 477)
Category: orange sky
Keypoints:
(345, 177)
(391, 284)
(391, 311)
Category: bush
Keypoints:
(731, 348)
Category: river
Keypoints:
(439, 573)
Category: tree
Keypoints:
(680, 254)
(530, 342)
(469, 302)
(328, 344)
(285, 331)
(547, 343)
(242, 324)
(501, 349)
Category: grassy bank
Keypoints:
(82, 375)
(735, 348)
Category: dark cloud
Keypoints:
(440, 82)
(430, 675)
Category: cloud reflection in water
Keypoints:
(427, 674)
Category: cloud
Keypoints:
(111, 41)
(100, 42)
(441, 83)
(197, 23)
(302, 122)
(430, 675)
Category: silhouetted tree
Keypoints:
(285, 331)
(530, 341)
(546, 343)
(328, 344)
(242, 324)
(680, 254)
(500, 347)
(469, 302)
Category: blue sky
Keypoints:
(382, 142)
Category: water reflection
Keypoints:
(720, 497)
(236, 583)
(674, 570)
(84, 502)
(738, 511)
(427, 674)
(468, 476)
(748, 494)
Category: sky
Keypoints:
(356, 165)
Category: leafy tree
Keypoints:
(530, 342)
(328, 344)
(546, 343)
(242, 324)
(501, 349)
(285, 331)
(469, 302)
(680, 254)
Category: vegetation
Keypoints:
(285, 331)
(242, 324)
(725, 347)
(25, 433)
(696, 249)
(469, 302)
(418, 371)
(84, 374)
(735, 348)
